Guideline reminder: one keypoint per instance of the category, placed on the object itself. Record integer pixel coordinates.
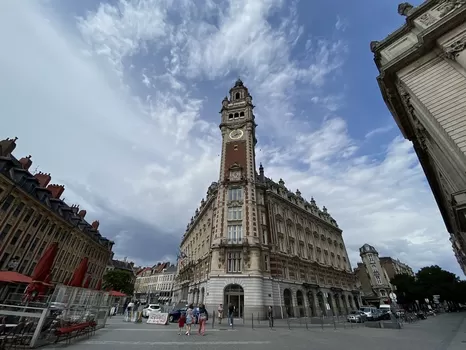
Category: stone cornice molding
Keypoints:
(453, 50)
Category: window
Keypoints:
(237, 95)
(264, 218)
(28, 215)
(235, 194)
(4, 258)
(26, 241)
(235, 233)
(18, 210)
(235, 213)
(230, 116)
(264, 237)
(241, 114)
(378, 280)
(51, 229)
(5, 231)
(266, 263)
(371, 259)
(44, 225)
(234, 262)
(7, 203)
(281, 244)
(236, 115)
(16, 237)
(36, 221)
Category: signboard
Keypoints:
(436, 299)
(158, 318)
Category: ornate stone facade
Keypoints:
(422, 78)
(254, 243)
(33, 215)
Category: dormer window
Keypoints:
(241, 114)
(236, 115)
(237, 96)
(230, 116)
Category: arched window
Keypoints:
(237, 95)
(230, 116)
(236, 115)
(241, 114)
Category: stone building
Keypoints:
(254, 243)
(32, 216)
(375, 281)
(422, 78)
(395, 267)
(155, 284)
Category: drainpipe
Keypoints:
(280, 296)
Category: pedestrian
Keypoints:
(203, 317)
(231, 310)
(181, 322)
(270, 315)
(189, 319)
(220, 313)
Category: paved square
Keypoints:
(445, 332)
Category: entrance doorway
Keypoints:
(234, 294)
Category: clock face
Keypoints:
(236, 134)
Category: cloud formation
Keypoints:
(120, 103)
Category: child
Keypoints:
(181, 323)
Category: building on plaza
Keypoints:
(395, 267)
(457, 251)
(422, 68)
(33, 215)
(155, 284)
(122, 265)
(254, 243)
(375, 282)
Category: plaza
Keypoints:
(446, 332)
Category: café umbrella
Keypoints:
(79, 274)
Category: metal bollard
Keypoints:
(288, 321)
(213, 319)
(258, 319)
(252, 321)
(322, 321)
(334, 323)
(307, 326)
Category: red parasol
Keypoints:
(79, 274)
(99, 285)
(44, 265)
(88, 282)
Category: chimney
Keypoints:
(26, 162)
(95, 225)
(82, 214)
(57, 190)
(43, 178)
(7, 146)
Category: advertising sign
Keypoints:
(158, 318)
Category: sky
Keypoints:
(120, 102)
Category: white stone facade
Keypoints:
(422, 77)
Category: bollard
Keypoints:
(288, 321)
(213, 319)
(252, 321)
(334, 323)
(258, 319)
(322, 319)
(307, 326)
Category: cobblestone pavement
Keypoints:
(444, 332)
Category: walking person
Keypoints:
(181, 322)
(203, 317)
(189, 319)
(231, 310)
(220, 313)
(270, 315)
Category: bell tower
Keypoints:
(236, 227)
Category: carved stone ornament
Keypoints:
(427, 19)
(405, 8)
(235, 175)
(448, 6)
(235, 203)
(453, 50)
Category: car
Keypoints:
(150, 309)
(357, 316)
(381, 315)
(369, 310)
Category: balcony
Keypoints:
(228, 242)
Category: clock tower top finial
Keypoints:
(239, 92)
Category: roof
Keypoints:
(14, 277)
(117, 294)
(17, 172)
(122, 265)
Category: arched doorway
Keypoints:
(288, 302)
(300, 302)
(234, 294)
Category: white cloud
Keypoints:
(136, 131)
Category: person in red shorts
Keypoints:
(181, 323)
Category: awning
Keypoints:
(115, 293)
(14, 277)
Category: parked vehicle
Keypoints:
(150, 309)
(382, 315)
(174, 315)
(368, 310)
(357, 316)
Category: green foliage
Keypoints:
(429, 281)
(119, 280)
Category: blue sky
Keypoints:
(124, 96)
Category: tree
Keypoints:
(119, 280)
